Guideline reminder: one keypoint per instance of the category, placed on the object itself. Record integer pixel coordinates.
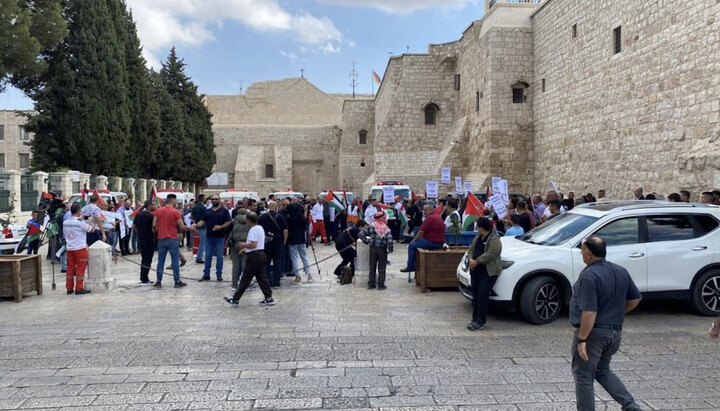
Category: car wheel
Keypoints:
(541, 300)
(706, 294)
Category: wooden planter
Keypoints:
(438, 268)
(20, 274)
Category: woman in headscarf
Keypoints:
(380, 240)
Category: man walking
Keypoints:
(273, 222)
(166, 222)
(318, 225)
(75, 233)
(197, 214)
(143, 224)
(602, 295)
(255, 264)
(218, 220)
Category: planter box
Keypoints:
(438, 268)
(20, 274)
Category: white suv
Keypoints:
(672, 250)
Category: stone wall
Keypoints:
(358, 115)
(647, 116)
(11, 146)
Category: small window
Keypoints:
(669, 228)
(2, 160)
(477, 101)
(574, 30)
(620, 232)
(543, 85)
(457, 82)
(431, 110)
(269, 171)
(518, 95)
(24, 160)
(362, 137)
(2, 132)
(617, 39)
(22, 133)
(705, 224)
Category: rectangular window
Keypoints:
(2, 160)
(269, 171)
(617, 39)
(2, 132)
(543, 85)
(518, 96)
(457, 82)
(477, 101)
(22, 133)
(574, 30)
(24, 160)
(362, 137)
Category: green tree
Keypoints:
(83, 111)
(168, 153)
(196, 144)
(28, 29)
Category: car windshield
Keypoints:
(404, 193)
(559, 229)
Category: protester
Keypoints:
(273, 222)
(75, 232)
(167, 222)
(527, 218)
(370, 210)
(198, 212)
(674, 198)
(539, 207)
(639, 193)
(344, 245)
(707, 197)
(297, 241)
(33, 226)
(453, 216)
(92, 210)
(485, 266)
(602, 295)
(238, 235)
(684, 196)
(318, 225)
(217, 219)
(380, 240)
(352, 214)
(255, 264)
(143, 224)
(430, 237)
(514, 228)
(110, 225)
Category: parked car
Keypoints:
(10, 236)
(671, 250)
(116, 196)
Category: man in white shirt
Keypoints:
(318, 225)
(453, 213)
(254, 266)
(75, 233)
(370, 211)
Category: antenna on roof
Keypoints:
(302, 72)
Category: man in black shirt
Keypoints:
(344, 245)
(217, 220)
(146, 238)
(197, 214)
(602, 295)
(273, 222)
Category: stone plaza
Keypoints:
(323, 346)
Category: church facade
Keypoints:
(590, 96)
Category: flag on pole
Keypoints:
(345, 199)
(473, 210)
(132, 215)
(83, 196)
(334, 201)
(97, 195)
(154, 197)
(401, 212)
(438, 210)
(33, 233)
(376, 77)
(388, 209)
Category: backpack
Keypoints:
(346, 275)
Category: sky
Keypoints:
(229, 44)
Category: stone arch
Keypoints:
(431, 109)
(362, 137)
(518, 91)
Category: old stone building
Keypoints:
(14, 152)
(582, 92)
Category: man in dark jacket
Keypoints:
(485, 266)
(273, 222)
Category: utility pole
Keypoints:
(353, 78)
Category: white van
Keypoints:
(281, 195)
(237, 195)
(116, 197)
(400, 189)
(183, 197)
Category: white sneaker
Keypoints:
(309, 278)
(297, 281)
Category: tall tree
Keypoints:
(196, 144)
(168, 155)
(28, 29)
(83, 111)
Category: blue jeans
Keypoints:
(213, 248)
(202, 234)
(299, 252)
(112, 239)
(171, 245)
(134, 241)
(601, 345)
(419, 243)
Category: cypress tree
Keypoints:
(196, 144)
(168, 154)
(83, 112)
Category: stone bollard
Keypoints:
(99, 271)
(362, 267)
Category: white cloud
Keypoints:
(400, 6)
(352, 44)
(164, 23)
(291, 56)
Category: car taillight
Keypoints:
(7, 233)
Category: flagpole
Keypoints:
(372, 84)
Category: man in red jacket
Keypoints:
(430, 237)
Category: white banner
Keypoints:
(388, 194)
(458, 185)
(445, 175)
(504, 191)
(431, 188)
(468, 187)
(554, 186)
(496, 181)
(498, 205)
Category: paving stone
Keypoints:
(308, 392)
(344, 403)
(98, 379)
(127, 398)
(58, 401)
(154, 377)
(402, 401)
(221, 405)
(289, 404)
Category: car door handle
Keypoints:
(636, 255)
(699, 248)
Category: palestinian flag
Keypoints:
(154, 197)
(131, 217)
(334, 201)
(97, 195)
(402, 215)
(473, 210)
(101, 219)
(34, 233)
(388, 209)
(52, 230)
(345, 199)
(438, 209)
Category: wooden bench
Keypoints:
(20, 274)
(438, 268)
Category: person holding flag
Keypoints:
(473, 211)
(92, 212)
(34, 233)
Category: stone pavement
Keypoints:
(323, 346)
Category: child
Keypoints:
(515, 229)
